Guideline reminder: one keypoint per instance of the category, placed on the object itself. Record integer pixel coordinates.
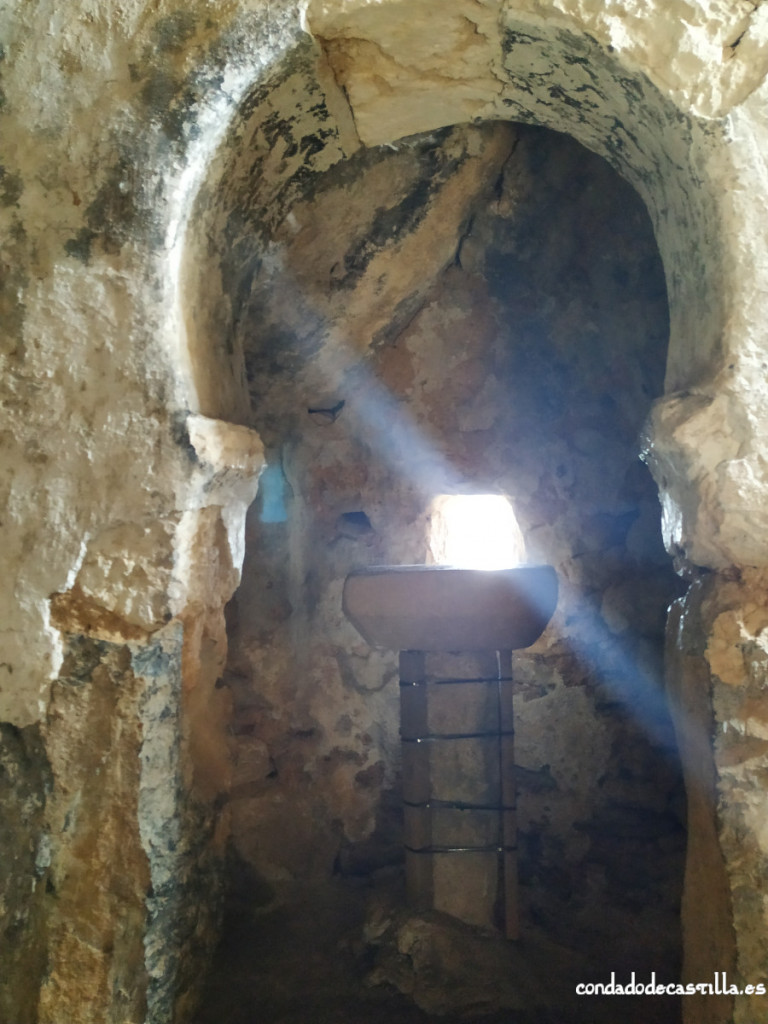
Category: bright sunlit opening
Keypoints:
(476, 531)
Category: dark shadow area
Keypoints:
(346, 952)
(527, 366)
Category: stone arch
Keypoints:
(141, 542)
(684, 152)
(532, 68)
(379, 83)
(556, 75)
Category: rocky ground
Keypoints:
(349, 952)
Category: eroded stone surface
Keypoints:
(449, 968)
(719, 647)
(25, 852)
(119, 123)
(489, 384)
(708, 934)
(521, 61)
(708, 56)
(95, 964)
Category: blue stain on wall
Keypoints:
(272, 491)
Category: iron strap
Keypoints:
(453, 682)
(434, 737)
(455, 805)
(429, 850)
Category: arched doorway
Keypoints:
(665, 154)
(526, 340)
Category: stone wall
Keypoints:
(125, 307)
(24, 856)
(527, 367)
(717, 665)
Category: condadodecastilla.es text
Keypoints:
(720, 986)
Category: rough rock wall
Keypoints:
(685, 131)
(95, 190)
(114, 120)
(683, 137)
(718, 666)
(708, 934)
(583, 304)
(122, 514)
(24, 856)
(312, 702)
(527, 366)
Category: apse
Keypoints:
(471, 317)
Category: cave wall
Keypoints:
(528, 368)
(25, 780)
(120, 476)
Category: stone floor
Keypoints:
(348, 952)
